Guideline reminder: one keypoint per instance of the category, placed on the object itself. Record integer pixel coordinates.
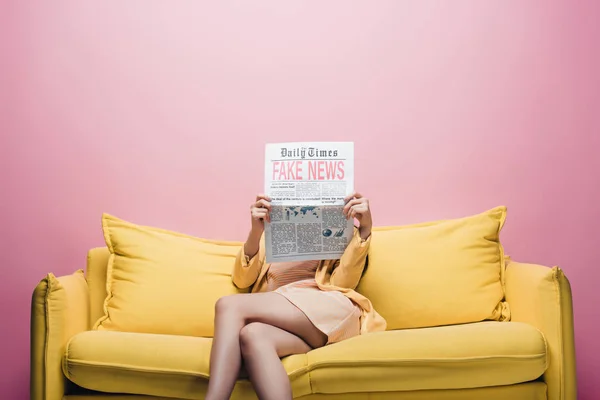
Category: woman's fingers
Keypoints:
(262, 203)
(261, 207)
(351, 204)
(358, 210)
(263, 197)
(351, 201)
(260, 213)
(352, 196)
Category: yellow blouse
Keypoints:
(342, 275)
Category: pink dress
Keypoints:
(331, 312)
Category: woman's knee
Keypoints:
(253, 337)
(228, 305)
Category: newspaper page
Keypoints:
(307, 183)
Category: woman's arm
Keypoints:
(348, 270)
(251, 256)
(246, 269)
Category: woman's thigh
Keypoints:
(272, 309)
(257, 335)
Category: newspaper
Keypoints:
(307, 183)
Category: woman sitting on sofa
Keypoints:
(293, 307)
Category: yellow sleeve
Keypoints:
(348, 270)
(245, 272)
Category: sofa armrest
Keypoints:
(541, 296)
(59, 310)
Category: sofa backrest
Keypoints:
(97, 261)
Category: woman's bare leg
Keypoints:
(262, 348)
(234, 312)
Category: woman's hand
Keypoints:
(358, 207)
(259, 212)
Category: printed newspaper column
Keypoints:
(307, 183)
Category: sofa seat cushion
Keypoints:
(451, 357)
(154, 364)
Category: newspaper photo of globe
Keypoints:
(302, 214)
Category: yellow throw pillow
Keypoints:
(438, 273)
(163, 282)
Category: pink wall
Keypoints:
(158, 113)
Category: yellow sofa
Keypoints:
(530, 357)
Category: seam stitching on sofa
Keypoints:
(293, 374)
(136, 369)
(559, 334)
(310, 380)
(157, 370)
(501, 254)
(64, 361)
(307, 368)
(108, 284)
(87, 278)
(298, 371)
(545, 347)
(47, 335)
(462, 360)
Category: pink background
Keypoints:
(159, 112)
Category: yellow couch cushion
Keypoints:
(451, 357)
(454, 357)
(163, 282)
(438, 273)
(160, 365)
(522, 391)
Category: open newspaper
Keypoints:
(307, 183)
